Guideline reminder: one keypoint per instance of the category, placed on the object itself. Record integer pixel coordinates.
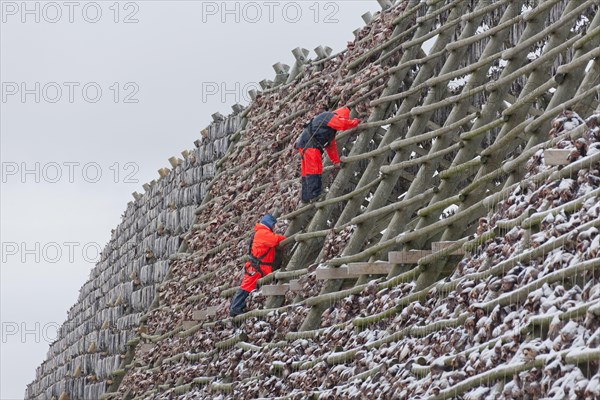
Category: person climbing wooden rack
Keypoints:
(261, 252)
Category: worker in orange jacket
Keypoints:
(318, 137)
(261, 253)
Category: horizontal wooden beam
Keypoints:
(274, 290)
(407, 257)
(281, 290)
(439, 246)
(556, 156)
(370, 268)
(334, 273)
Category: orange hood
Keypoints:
(343, 112)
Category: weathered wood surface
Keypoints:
(274, 290)
(333, 273)
(295, 285)
(370, 268)
(556, 156)
(407, 257)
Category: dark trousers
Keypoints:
(238, 302)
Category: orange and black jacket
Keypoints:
(263, 247)
(320, 132)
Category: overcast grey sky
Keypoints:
(96, 96)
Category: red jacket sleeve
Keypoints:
(341, 124)
(332, 152)
(270, 239)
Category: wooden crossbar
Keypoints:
(407, 257)
(274, 290)
(370, 268)
(413, 256)
(280, 290)
(334, 273)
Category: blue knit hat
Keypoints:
(269, 221)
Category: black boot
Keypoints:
(238, 303)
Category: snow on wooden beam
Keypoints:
(370, 268)
(407, 257)
(439, 246)
(204, 314)
(556, 156)
(274, 290)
